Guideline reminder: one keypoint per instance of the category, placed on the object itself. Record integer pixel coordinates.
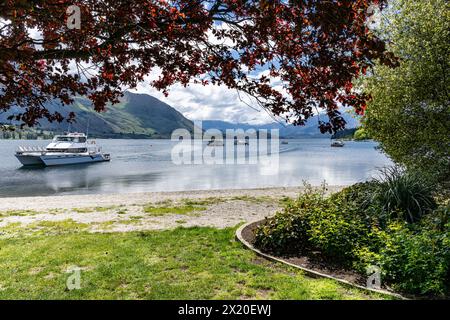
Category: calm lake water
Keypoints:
(146, 165)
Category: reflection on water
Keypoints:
(145, 165)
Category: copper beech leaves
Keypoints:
(314, 48)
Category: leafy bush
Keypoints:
(331, 225)
(359, 194)
(335, 227)
(371, 223)
(334, 235)
(286, 232)
(418, 261)
(362, 197)
(404, 194)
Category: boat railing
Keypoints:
(22, 149)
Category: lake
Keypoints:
(146, 165)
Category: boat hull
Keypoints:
(30, 160)
(72, 159)
(59, 160)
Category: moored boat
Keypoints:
(215, 142)
(71, 148)
(337, 144)
(240, 142)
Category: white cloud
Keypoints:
(198, 102)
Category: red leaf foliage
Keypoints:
(314, 48)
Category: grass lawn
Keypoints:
(193, 263)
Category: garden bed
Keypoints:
(314, 264)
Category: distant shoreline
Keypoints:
(156, 138)
(93, 200)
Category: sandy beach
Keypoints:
(149, 211)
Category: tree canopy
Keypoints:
(409, 113)
(314, 48)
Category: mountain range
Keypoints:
(144, 116)
(287, 131)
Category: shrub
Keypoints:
(396, 194)
(286, 232)
(404, 195)
(335, 228)
(369, 224)
(417, 260)
(359, 194)
(332, 225)
(362, 198)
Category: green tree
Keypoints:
(409, 112)
(361, 134)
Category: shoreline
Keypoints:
(90, 200)
(145, 211)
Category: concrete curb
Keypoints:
(310, 272)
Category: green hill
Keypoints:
(136, 116)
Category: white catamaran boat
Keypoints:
(71, 148)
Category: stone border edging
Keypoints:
(306, 270)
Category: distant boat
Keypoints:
(337, 144)
(71, 148)
(215, 143)
(284, 142)
(240, 142)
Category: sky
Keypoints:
(210, 102)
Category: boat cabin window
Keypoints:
(72, 150)
(79, 150)
(71, 139)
